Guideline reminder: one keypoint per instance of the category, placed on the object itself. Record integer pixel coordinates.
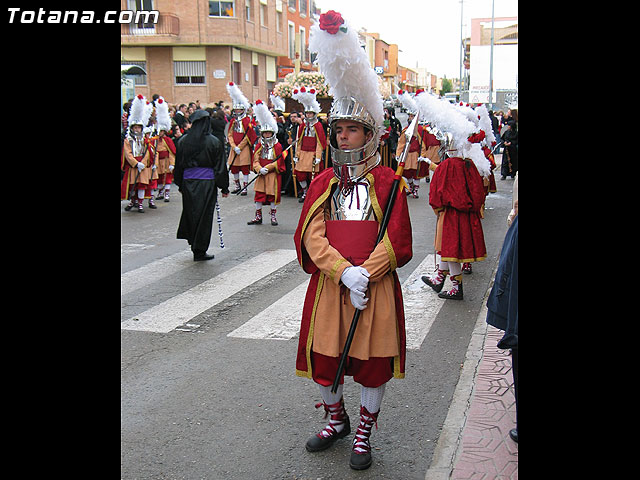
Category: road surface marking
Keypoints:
(178, 310)
(281, 320)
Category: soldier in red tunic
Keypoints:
(336, 243)
(456, 195)
(268, 163)
(311, 140)
(241, 137)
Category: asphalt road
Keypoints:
(198, 404)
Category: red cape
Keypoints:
(457, 188)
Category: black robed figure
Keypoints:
(200, 170)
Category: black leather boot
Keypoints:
(361, 449)
(324, 439)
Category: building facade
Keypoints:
(505, 62)
(196, 48)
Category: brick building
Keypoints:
(196, 48)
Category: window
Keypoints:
(292, 41)
(303, 7)
(304, 50)
(255, 76)
(137, 79)
(263, 15)
(247, 4)
(237, 76)
(292, 5)
(219, 8)
(189, 72)
(279, 22)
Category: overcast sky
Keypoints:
(426, 31)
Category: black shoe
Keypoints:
(513, 433)
(199, 257)
(452, 296)
(128, 207)
(317, 444)
(152, 206)
(437, 287)
(360, 461)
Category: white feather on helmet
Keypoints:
(306, 98)
(238, 99)
(408, 102)
(264, 117)
(162, 115)
(278, 103)
(346, 67)
(137, 111)
(448, 118)
(484, 122)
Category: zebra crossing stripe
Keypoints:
(421, 304)
(178, 310)
(281, 320)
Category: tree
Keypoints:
(447, 86)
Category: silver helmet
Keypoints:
(358, 161)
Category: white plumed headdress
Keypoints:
(346, 68)
(408, 102)
(306, 98)
(264, 117)
(238, 99)
(278, 103)
(137, 113)
(162, 115)
(450, 119)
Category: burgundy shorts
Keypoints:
(369, 373)
(240, 168)
(264, 198)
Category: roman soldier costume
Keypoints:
(336, 243)
(165, 150)
(268, 163)
(311, 140)
(456, 195)
(417, 148)
(241, 137)
(136, 157)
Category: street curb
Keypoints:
(449, 444)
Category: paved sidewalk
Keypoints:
(474, 443)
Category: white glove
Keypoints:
(317, 161)
(264, 171)
(356, 279)
(154, 167)
(171, 167)
(295, 160)
(424, 159)
(140, 166)
(237, 150)
(358, 300)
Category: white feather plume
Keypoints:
(237, 97)
(407, 101)
(346, 68)
(485, 124)
(264, 116)
(162, 115)
(278, 103)
(306, 98)
(136, 112)
(448, 118)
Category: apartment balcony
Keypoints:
(168, 25)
